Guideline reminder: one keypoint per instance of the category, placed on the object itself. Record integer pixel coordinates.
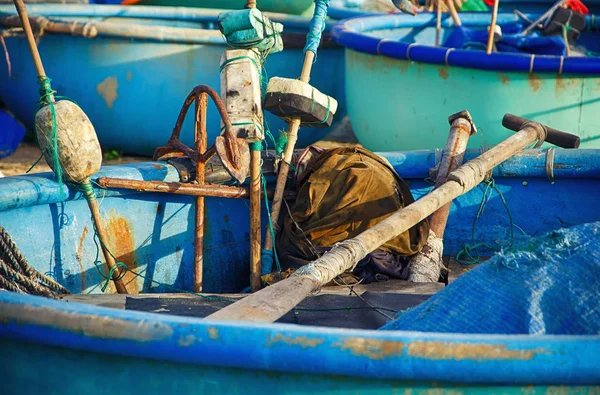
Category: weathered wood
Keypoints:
(453, 13)
(45, 25)
(271, 303)
(454, 152)
(490, 42)
(438, 23)
(284, 168)
(255, 236)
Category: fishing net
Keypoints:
(549, 285)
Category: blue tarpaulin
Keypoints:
(512, 40)
(550, 285)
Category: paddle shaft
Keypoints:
(284, 167)
(255, 242)
(92, 203)
(269, 304)
(453, 13)
(490, 42)
(37, 61)
(438, 23)
(454, 153)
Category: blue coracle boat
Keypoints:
(409, 78)
(345, 9)
(130, 78)
(159, 349)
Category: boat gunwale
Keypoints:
(148, 32)
(41, 188)
(403, 355)
(350, 34)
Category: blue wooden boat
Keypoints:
(398, 77)
(123, 350)
(345, 9)
(131, 85)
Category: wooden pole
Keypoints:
(453, 13)
(462, 128)
(438, 23)
(271, 303)
(92, 202)
(255, 184)
(490, 42)
(200, 138)
(284, 167)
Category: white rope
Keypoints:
(562, 59)
(531, 63)
(342, 257)
(448, 54)
(379, 44)
(408, 50)
(425, 266)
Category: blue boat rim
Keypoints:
(351, 34)
(415, 356)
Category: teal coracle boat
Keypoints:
(397, 80)
(158, 343)
(130, 77)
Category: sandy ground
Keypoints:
(28, 152)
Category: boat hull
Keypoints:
(398, 83)
(147, 353)
(133, 90)
(302, 7)
(153, 233)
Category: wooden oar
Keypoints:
(76, 164)
(425, 266)
(292, 136)
(490, 42)
(273, 302)
(438, 23)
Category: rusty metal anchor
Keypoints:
(233, 151)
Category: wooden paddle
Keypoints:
(79, 162)
(292, 136)
(273, 302)
(490, 42)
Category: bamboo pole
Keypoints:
(271, 303)
(92, 202)
(438, 23)
(490, 42)
(453, 13)
(284, 167)
(255, 184)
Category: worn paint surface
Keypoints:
(371, 348)
(108, 90)
(302, 341)
(122, 244)
(459, 352)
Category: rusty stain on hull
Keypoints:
(121, 243)
(371, 348)
(467, 351)
(213, 333)
(301, 341)
(443, 73)
(535, 82)
(108, 90)
(79, 256)
(504, 78)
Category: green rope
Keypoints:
(282, 141)
(271, 228)
(46, 93)
(469, 254)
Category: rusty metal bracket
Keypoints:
(233, 151)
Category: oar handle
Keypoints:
(553, 136)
